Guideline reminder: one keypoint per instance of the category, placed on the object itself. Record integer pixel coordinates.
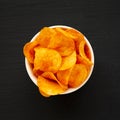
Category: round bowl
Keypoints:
(70, 90)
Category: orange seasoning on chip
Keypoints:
(60, 59)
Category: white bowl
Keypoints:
(70, 90)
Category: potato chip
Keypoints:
(82, 51)
(63, 76)
(87, 51)
(78, 37)
(81, 60)
(44, 36)
(37, 72)
(49, 87)
(28, 51)
(68, 62)
(67, 34)
(44, 94)
(64, 45)
(51, 76)
(78, 75)
(47, 60)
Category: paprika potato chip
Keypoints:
(51, 76)
(64, 45)
(78, 37)
(44, 37)
(78, 75)
(82, 51)
(44, 94)
(87, 52)
(29, 50)
(49, 87)
(37, 72)
(47, 59)
(81, 60)
(68, 62)
(67, 34)
(63, 76)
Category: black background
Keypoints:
(99, 21)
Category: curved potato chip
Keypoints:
(81, 60)
(87, 52)
(67, 34)
(82, 51)
(51, 76)
(49, 87)
(64, 45)
(29, 52)
(63, 76)
(47, 60)
(37, 72)
(78, 75)
(78, 37)
(44, 94)
(68, 62)
(44, 36)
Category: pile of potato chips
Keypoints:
(60, 59)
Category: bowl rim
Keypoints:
(70, 90)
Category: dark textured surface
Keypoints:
(99, 21)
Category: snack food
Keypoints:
(60, 59)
